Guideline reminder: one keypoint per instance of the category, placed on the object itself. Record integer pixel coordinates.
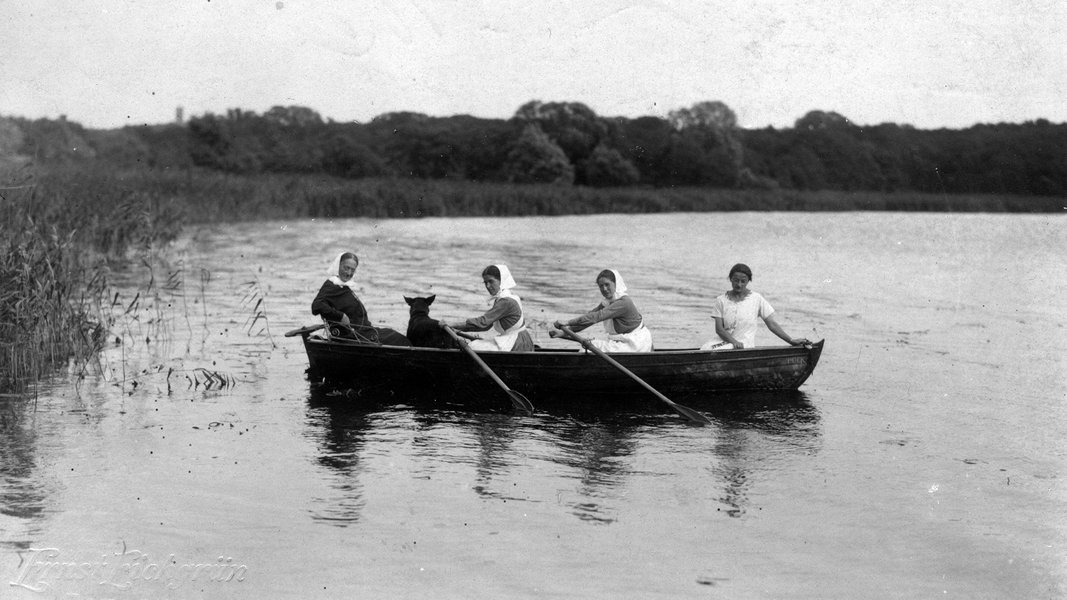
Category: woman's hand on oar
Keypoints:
(685, 411)
(517, 399)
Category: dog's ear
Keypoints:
(429, 300)
(408, 300)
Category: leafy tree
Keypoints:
(293, 116)
(707, 134)
(571, 125)
(535, 158)
(709, 114)
(345, 156)
(225, 143)
(410, 144)
(168, 145)
(210, 141)
(478, 146)
(11, 137)
(608, 167)
(818, 120)
(120, 146)
(49, 140)
(645, 142)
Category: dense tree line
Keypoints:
(567, 143)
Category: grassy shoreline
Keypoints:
(197, 196)
(63, 227)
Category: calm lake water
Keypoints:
(925, 458)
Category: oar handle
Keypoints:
(465, 335)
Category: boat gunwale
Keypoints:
(736, 354)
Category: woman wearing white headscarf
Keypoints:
(338, 304)
(625, 327)
(503, 322)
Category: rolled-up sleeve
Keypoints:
(499, 311)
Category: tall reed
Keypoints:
(57, 236)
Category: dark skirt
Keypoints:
(373, 335)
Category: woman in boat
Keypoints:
(338, 304)
(737, 314)
(625, 327)
(504, 320)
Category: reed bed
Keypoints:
(181, 196)
(58, 239)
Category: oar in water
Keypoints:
(685, 411)
(304, 330)
(517, 399)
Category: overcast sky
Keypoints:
(928, 63)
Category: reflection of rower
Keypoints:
(593, 450)
(495, 436)
(342, 443)
(753, 425)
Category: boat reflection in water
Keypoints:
(585, 458)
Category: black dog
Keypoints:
(423, 331)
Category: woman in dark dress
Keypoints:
(343, 311)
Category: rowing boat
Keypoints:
(551, 373)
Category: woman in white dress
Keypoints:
(737, 314)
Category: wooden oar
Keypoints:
(467, 336)
(685, 411)
(517, 399)
(304, 330)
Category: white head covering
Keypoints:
(620, 289)
(335, 267)
(506, 283)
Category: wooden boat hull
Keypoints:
(554, 373)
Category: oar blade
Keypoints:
(518, 400)
(521, 402)
(691, 414)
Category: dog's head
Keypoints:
(419, 306)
